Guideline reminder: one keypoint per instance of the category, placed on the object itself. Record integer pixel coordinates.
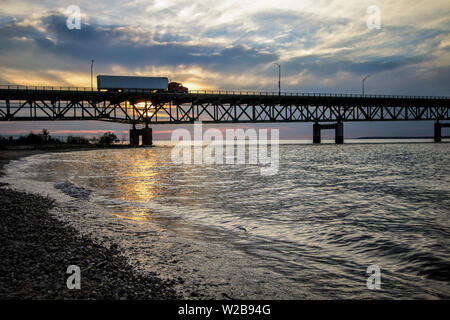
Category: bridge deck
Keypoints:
(18, 103)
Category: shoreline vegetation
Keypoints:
(400, 137)
(45, 139)
(36, 250)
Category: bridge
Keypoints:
(326, 111)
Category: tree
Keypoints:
(45, 134)
(107, 139)
(31, 138)
(77, 140)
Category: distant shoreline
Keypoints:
(381, 138)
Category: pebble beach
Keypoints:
(36, 250)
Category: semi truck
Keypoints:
(131, 83)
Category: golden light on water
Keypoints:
(140, 185)
(136, 184)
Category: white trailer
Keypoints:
(130, 83)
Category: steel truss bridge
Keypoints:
(19, 103)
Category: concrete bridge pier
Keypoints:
(146, 134)
(338, 132)
(316, 133)
(438, 130)
(134, 137)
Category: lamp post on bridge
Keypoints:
(92, 66)
(363, 80)
(279, 78)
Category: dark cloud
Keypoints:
(330, 65)
(10, 33)
(118, 45)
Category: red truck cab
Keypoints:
(177, 87)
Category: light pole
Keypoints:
(92, 66)
(363, 80)
(279, 78)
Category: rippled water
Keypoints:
(309, 231)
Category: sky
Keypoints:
(321, 45)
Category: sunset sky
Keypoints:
(322, 46)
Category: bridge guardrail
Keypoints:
(226, 92)
(45, 88)
(300, 94)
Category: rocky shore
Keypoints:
(36, 249)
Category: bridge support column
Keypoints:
(316, 133)
(147, 136)
(134, 137)
(438, 130)
(339, 133)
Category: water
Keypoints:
(225, 231)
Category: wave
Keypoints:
(73, 190)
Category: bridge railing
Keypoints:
(305, 94)
(223, 92)
(45, 88)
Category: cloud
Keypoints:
(321, 46)
(125, 46)
(326, 66)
